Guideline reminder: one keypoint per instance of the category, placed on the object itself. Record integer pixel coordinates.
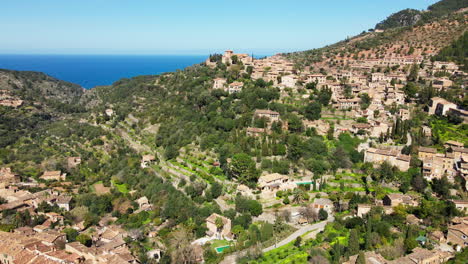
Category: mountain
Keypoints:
(404, 18)
(408, 32)
(409, 17)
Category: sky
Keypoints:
(186, 26)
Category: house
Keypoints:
(443, 65)
(395, 199)
(427, 131)
(235, 87)
(370, 257)
(424, 256)
(323, 203)
(218, 227)
(391, 156)
(255, 132)
(437, 236)
(271, 115)
(144, 204)
(53, 176)
(426, 153)
(440, 106)
(272, 181)
(411, 219)
(347, 104)
(147, 160)
(72, 162)
(109, 112)
(317, 78)
(289, 81)
(357, 128)
(404, 114)
(7, 177)
(458, 235)
(453, 144)
(461, 205)
(64, 202)
(219, 83)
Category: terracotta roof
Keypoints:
(428, 150)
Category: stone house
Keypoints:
(235, 87)
(323, 203)
(345, 104)
(461, 205)
(318, 78)
(394, 157)
(64, 202)
(147, 160)
(424, 256)
(53, 176)
(404, 114)
(220, 229)
(355, 128)
(458, 235)
(72, 162)
(395, 199)
(219, 83)
(272, 181)
(7, 177)
(143, 204)
(271, 115)
(426, 153)
(289, 81)
(440, 106)
(370, 257)
(255, 132)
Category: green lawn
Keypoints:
(120, 187)
(447, 131)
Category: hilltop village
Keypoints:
(355, 157)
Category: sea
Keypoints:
(95, 70)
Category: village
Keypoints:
(387, 105)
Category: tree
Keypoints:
(84, 240)
(313, 111)
(297, 242)
(324, 96)
(219, 223)
(323, 215)
(361, 258)
(413, 75)
(242, 167)
(353, 242)
(365, 101)
(71, 234)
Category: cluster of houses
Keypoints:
(46, 242)
(29, 245)
(450, 164)
(457, 231)
(383, 88)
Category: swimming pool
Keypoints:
(221, 249)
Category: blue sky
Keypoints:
(186, 26)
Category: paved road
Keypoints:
(316, 228)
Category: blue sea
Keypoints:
(94, 70)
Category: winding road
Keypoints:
(314, 229)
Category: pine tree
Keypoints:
(353, 242)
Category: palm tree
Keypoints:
(298, 195)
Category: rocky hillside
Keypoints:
(405, 34)
(404, 18)
(37, 86)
